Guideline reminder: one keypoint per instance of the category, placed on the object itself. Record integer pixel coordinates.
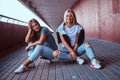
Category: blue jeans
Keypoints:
(30, 51)
(88, 50)
(81, 50)
(44, 51)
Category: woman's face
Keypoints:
(69, 18)
(35, 27)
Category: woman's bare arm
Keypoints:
(27, 38)
(76, 43)
(72, 52)
(39, 42)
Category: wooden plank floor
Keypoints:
(108, 53)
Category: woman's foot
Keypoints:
(95, 64)
(32, 65)
(21, 69)
(80, 60)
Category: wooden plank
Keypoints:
(107, 53)
(81, 72)
(45, 72)
(52, 71)
(33, 71)
(59, 72)
(66, 75)
(72, 71)
(9, 70)
(39, 71)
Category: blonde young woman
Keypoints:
(71, 35)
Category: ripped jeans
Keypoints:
(44, 51)
(81, 50)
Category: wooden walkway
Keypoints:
(108, 53)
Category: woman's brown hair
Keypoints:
(33, 35)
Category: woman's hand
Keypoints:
(27, 38)
(73, 55)
(29, 28)
(27, 48)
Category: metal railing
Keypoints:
(14, 21)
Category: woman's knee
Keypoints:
(87, 44)
(38, 48)
(56, 53)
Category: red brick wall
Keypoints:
(11, 35)
(100, 18)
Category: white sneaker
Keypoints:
(79, 60)
(95, 64)
(21, 69)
